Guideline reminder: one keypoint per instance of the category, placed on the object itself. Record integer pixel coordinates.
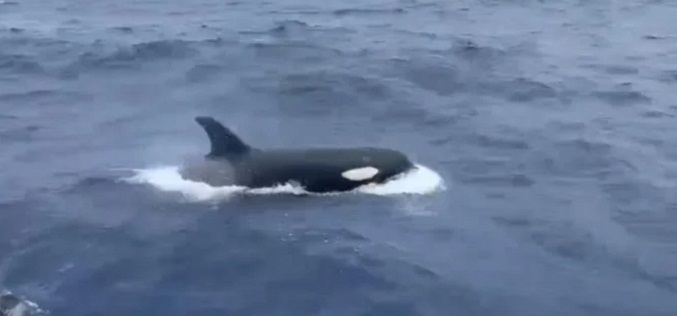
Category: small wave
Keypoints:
(44, 97)
(285, 27)
(123, 29)
(203, 72)
(19, 64)
(522, 90)
(669, 76)
(12, 30)
(332, 85)
(293, 51)
(621, 98)
(469, 50)
(132, 56)
(367, 11)
(420, 181)
(614, 69)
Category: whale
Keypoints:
(232, 161)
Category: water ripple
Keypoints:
(19, 64)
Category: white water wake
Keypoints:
(420, 181)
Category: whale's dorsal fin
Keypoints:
(223, 141)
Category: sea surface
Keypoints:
(545, 132)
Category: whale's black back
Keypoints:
(319, 169)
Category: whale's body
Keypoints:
(231, 161)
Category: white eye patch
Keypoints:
(360, 174)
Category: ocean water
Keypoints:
(545, 132)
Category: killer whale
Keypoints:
(232, 161)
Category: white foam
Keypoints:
(421, 180)
(24, 307)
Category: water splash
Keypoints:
(12, 305)
(420, 181)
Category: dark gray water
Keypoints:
(551, 123)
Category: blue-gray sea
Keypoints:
(547, 130)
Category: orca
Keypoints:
(231, 161)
